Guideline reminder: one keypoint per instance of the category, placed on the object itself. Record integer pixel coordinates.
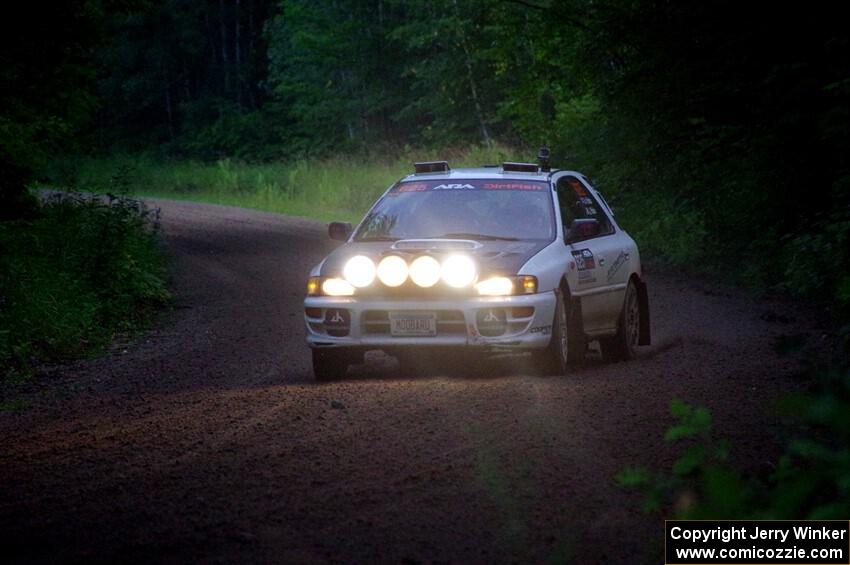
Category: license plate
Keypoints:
(408, 324)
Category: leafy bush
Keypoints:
(72, 276)
(811, 480)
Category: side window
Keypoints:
(577, 203)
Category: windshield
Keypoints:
(462, 209)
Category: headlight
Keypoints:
(337, 287)
(425, 271)
(359, 271)
(497, 286)
(392, 270)
(458, 271)
(506, 286)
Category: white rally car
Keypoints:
(519, 257)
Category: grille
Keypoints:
(377, 322)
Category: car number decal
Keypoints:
(585, 263)
(584, 259)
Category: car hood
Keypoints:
(491, 257)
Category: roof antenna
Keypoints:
(543, 159)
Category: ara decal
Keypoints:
(454, 187)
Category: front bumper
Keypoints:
(460, 322)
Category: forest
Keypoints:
(718, 130)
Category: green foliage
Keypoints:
(810, 479)
(47, 95)
(77, 272)
(329, 189)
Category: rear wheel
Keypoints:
(330, 364)
(567, 343)
(621, 347)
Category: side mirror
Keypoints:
(582, 229)
(340, 231)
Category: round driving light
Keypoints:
(392, 270)
(497, 286)
(458, 271)
(359, 271)
(425, 271)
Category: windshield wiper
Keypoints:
(478, 236)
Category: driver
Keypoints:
(454, 212)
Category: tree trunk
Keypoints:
(473, 90)
(224, 59)
(250, 89)
(237, 57)
(169, 111)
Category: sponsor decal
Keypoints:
(423, 186)
(586, 277)
(612, 270)
(584, 259)
(512, 186)
(454, 187)
(412, 187)
(545, 330)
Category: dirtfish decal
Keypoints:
(612, 270)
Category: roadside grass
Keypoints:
(72, 276)
(338, 188)
(670, 229)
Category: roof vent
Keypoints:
(543, 158)
(431, 167)
(521, 167)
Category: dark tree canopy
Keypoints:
(720, 123)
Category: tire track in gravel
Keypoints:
(207, 440)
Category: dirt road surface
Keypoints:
(207, 440)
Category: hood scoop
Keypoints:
(436, 245)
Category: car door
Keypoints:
(600, 259)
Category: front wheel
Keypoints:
(330, 364)
(621, 347)
(567, 343)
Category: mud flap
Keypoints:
(644, 337)
(575, 322)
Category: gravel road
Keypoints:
(206, 439)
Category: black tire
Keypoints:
(330, 364)
(621, 347)
(567, 344)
